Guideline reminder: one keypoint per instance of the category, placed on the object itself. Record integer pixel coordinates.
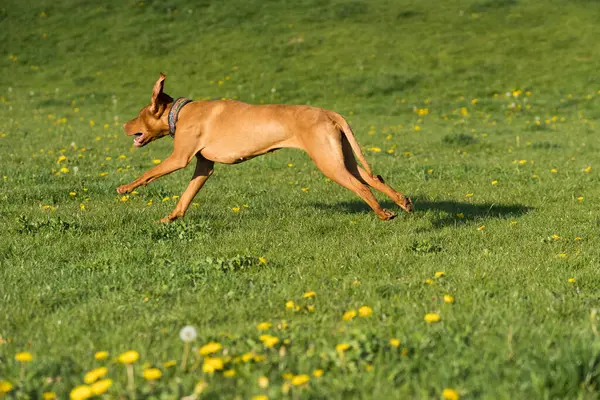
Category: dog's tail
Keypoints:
(343, 125)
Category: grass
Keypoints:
(485, 112)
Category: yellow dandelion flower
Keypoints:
(555, 237)
(103, 174)
(450, 394)
(269, 340)
(101, 386)
(572, 280)
(460, 215)
(375, 149)
(482, 227)
(580, 198)
(342, 347)
(440, 274)
(156, 161)
(92, 123)
(210, 348)
(5, 387)
(563, 255)
(95, 374)
(577, 238)
(129, 357)
(125, 198)
(522, 162)
(263, 382)
(394, 342)
(554, 170)
(428, 282)
(166, 199)
(348, 315)
(305, 189)
(47, 395)
(235, 209)
(290, 165)
(290, 305)
(229, 373)
(310, 308)
(64, 170)
(494, 182)
(212, 364)
(317, 373)
(260, 397)
(169, 364)
(263, 326)
(61, 159)
(309, 295)
(152, 374)
(82, 392)
(448, 299)
(365, 311)
(432, 317)
(417, 128)
(262, 260)
(300, 380)
(23, 357)
(72, 194)
(588, 169)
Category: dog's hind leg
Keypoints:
(375, 181)
(326, 152)
(204, 169)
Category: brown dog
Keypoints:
(230, 132)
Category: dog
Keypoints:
(231, 132)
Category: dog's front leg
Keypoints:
(170, 164)
(204, 169)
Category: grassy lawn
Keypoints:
(484, 112)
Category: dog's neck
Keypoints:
(172, 112)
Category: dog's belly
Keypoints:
(237, 148)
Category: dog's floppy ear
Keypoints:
(157, 92)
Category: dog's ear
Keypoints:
(157, 93)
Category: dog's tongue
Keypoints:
(138, 137)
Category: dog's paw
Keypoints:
(387, 215)
(123, 189)
(407, 205)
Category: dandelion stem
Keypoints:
(593, 314)
(509, 340)
(186, 352)
(22, 373)
(130, 380)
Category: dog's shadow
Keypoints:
(445, 212)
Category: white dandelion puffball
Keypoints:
(188, 334)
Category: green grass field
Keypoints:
(485, 112)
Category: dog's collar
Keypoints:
(174, 113)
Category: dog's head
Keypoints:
(151, 123)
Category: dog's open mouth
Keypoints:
(138, 140)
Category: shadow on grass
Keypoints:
(445, 212)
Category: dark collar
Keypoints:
(174, 113)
